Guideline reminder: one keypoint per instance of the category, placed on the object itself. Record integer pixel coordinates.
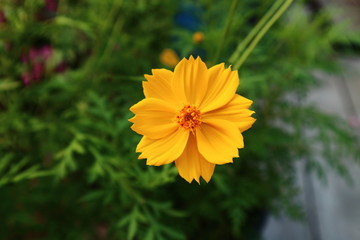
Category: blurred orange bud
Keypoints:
(169, 57)
(198, 37)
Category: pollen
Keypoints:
(189, 118)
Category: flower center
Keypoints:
(189, 118)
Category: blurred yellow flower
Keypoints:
(169, 57)
(198, 37)
(192, 116)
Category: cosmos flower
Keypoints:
(198, 37)
(169, 57)
(192, 117)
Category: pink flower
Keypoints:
(38, 54)
(26, 78)
(38, 71)
(36, 60)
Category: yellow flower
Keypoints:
(192, 116)
(169, 57)
(198, 37)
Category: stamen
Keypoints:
(189, 118)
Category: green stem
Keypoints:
(226, 29)
(108, 28)
(240, 48)
(259, 36)
(108, 47)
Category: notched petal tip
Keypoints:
(206, 180)
(163, 150)
(135, 106)
(141, 156)
(156, 164)
(218, 141)
(132, 119)
(190, 179)
(217, 68)
(148, 77)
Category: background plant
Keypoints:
(71, 70)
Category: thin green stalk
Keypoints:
(240, 48)
(262, 32)
(229, 19)
(107, 26)
(108, 48)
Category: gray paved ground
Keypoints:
(333, 209)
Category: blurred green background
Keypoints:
(70, 70)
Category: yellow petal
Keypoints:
(190, 81)
(218, 140)
(222, 86)
(158, 85)
(235, 111)
(154, 118)
(164, 150)
(191, 164)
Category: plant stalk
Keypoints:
(260, 35)
(240, 48)
(229, 19)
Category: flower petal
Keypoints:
(190, 81)
(235, 111)
(154, 118)
(164, 150)
(158, 85)
(222, 86)
(219, 140)
(191, 164)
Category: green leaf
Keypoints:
(132, 228)
(5, 160)
(149, 234)
(6, 85)
(65, 21)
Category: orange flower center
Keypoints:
(189, 118)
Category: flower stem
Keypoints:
(240, 48)
(229, 19)
(262, 32)
(105, 34)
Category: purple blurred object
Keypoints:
(26, 78)
(36, 59)
(37, 54)
(2, 17)
(45, 52)
(51, 5)
(61, 67)
(37, 71)
(48, 11)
